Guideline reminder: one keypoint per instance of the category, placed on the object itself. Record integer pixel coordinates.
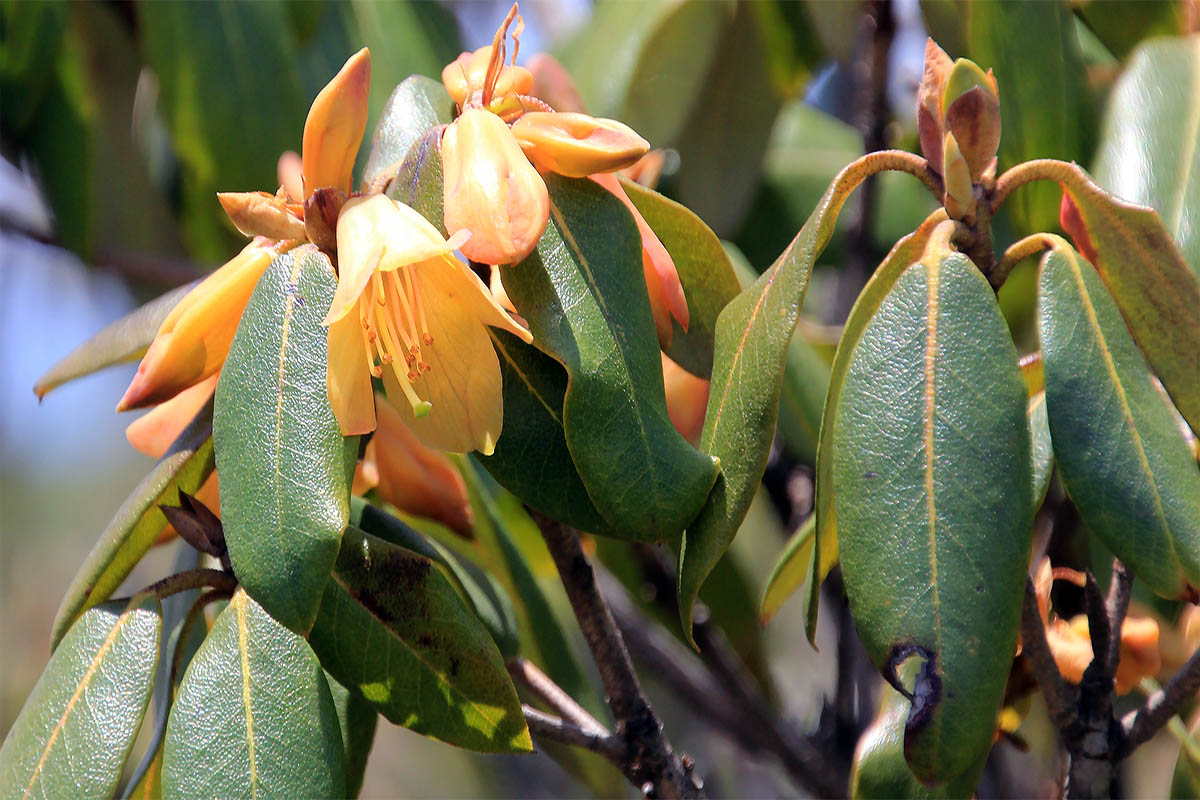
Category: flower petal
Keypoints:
(335, 125)
(348, 378)
(577, 145)
(447, 280)
(154, 432)
(261, 214)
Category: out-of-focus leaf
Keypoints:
(932, 490)
(707, 275)
(1041, 80)
(119, 342)
(584, 296)
(138, 522)
(395, 631)
(1150, 144)
(790, 570)
(213, 61)
(1186, 781)
(417, 104)
(77, 727)
(836, 25)
(285, 466)
(1158, 294)
(254, 705)
(1119, 448)
(30, 37)
(879, 769)
(486, 595)
(357, 720)
(722, 142)
(1122, 24)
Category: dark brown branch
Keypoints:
(550, 693)
(1140, 725)
(1060, 697)
(1119, 592)
(550, 727)
(653, 765)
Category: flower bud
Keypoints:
(929, 103)
(335, 125)
(971, 111)
(465, 76)
(261, 214)
(491, 190)
(577, 145)
(959, 199)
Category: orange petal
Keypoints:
(491, 190)
(348, 377)
(290, 172)
(335, 125)
(261, 214)
(154, 432)
(687, 399)
(577, 145)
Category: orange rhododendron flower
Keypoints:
(409, 312)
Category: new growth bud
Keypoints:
(961, 99)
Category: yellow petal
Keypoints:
(577, 145)
(194, 339)
(465, 75)
(448, 281)
(261, 214)
(335, 125)
(154, 432)
(491, 190)
(348, 379)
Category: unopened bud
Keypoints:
(971, 111)
(465, 75)
(261, 214)
(577, 145)
(491, 190)
(959, 199)
(335, 125)
(929, 103)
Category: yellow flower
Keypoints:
(192, 342)
(409, 312)
(490, 187)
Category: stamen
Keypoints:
(496, 63)
(405, 325)
(426, 336)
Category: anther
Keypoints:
(427, 338)
(412, 375)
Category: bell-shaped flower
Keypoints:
(491, 190)
(409, 312)
(577, 145)
(414, 478)
(193, 340)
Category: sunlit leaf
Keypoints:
(416, 105)
(357, 720)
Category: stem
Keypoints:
(1015, 254)
(903, 161)
(553, 695)
(558, 730)
(193, 579)
(1040, 169)
(1060, 697)
(653, 764)
(1140, 725)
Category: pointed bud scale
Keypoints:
(971, 111)
(335, 125)
(960, 191)
(491, 190)
(577, 145)
(261, 214)
(929, 103)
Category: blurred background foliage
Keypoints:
(120, 120)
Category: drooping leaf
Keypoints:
(1042, 89)
(357, 720)
(1158, 294)
(119, 342)
(1150, 145)
(791, 569)
(584, 296)
(285, 466)
(487, 597)
(395, 631)
(138, 522)
(254, 715)
(1120, 451)
(78, 725)
(532, 459)
(931, 480)
(417, 104)
(705, 272)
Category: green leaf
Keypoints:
(1158, 294)
(254, 715)
(396, 632)
(791, 569)
(1122, 24)
(879, 769)
(584, 296)
(31, 34)
(78, 725)
(1150, 144)
(752, 338)
(418, 181)
(1120, 451)
(532, 459)
(138, 522)
(487, 597)
(357, 720)
(1042, 88)
(417, 104)
(124, 340)
(1041, 447)
(931, 462)
(285, 466)
(704, 268)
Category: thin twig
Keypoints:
(1099, 627)
(193, 579)
(1140, 725)
(550, 693)
(653, 765)
(1015, 254)
(550, 727)
(1060, 697)
(1119, 592)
